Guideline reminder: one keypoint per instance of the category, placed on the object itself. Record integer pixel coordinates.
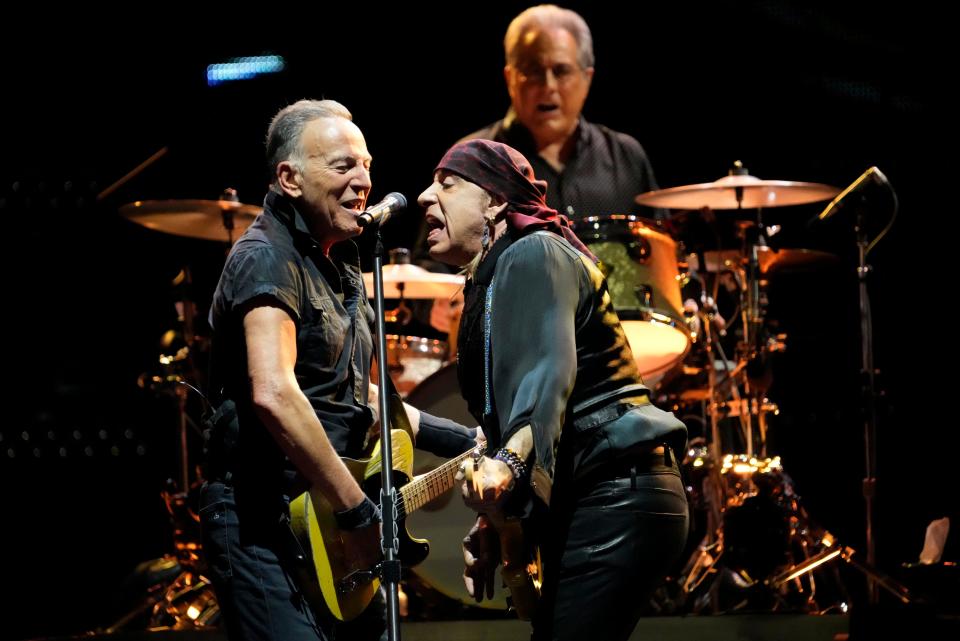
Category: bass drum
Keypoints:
(445, 520)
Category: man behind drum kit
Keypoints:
(590, 169)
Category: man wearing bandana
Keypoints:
(573, 441)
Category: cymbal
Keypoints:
(753, 193)
(415, 281)
(768, 259)
(203, 219)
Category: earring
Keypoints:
(487, 238)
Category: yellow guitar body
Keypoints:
(314, 525)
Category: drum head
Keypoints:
(445, 520)
(657, 347)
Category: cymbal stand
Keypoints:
(187, 601)
(186, 311)
(750, 313)
(178, 596)
(401, 314)
(176, 370)
(752, 346)
(228, 213)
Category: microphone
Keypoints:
(872, 175)
(380, 213)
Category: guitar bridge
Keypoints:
(354, 580)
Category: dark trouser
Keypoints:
(249, 552)
(615, 540)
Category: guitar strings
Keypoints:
(420, 495)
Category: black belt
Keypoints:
(654, 458)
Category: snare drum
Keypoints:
(640, 265)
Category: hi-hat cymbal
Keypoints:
(769, 260)
(415, 282)
(738, 192)
(220, 220)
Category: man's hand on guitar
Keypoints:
(485, 483)
(481, 556)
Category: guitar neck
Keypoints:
(429, 486)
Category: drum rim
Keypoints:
(657, 316)
(631, 218)
(419, 340)
(617, 227)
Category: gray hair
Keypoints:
(283, 136)
(550, 16)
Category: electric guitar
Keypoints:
(522, 570)
(326, 578)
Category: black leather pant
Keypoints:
(609, 548)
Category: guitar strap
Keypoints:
(398, 413)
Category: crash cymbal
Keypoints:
(769, 260)
(221, 220)
(416, 282)
(738, 192)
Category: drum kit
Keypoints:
(754, 545)
(178, 594)
(756, 535)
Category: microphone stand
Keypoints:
(868, 380)
(869, 395)
(389, 543)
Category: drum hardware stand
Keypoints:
(186, 311)
(177, 369)
(832, 550)
(179, 596)
(401, 314)
(707, 560)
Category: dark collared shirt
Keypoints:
(277, 261)
(606, 171)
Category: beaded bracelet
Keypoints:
(513, 461)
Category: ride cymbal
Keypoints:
(740, 191)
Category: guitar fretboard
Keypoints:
(429, 486)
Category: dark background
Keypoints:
(795, 92)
